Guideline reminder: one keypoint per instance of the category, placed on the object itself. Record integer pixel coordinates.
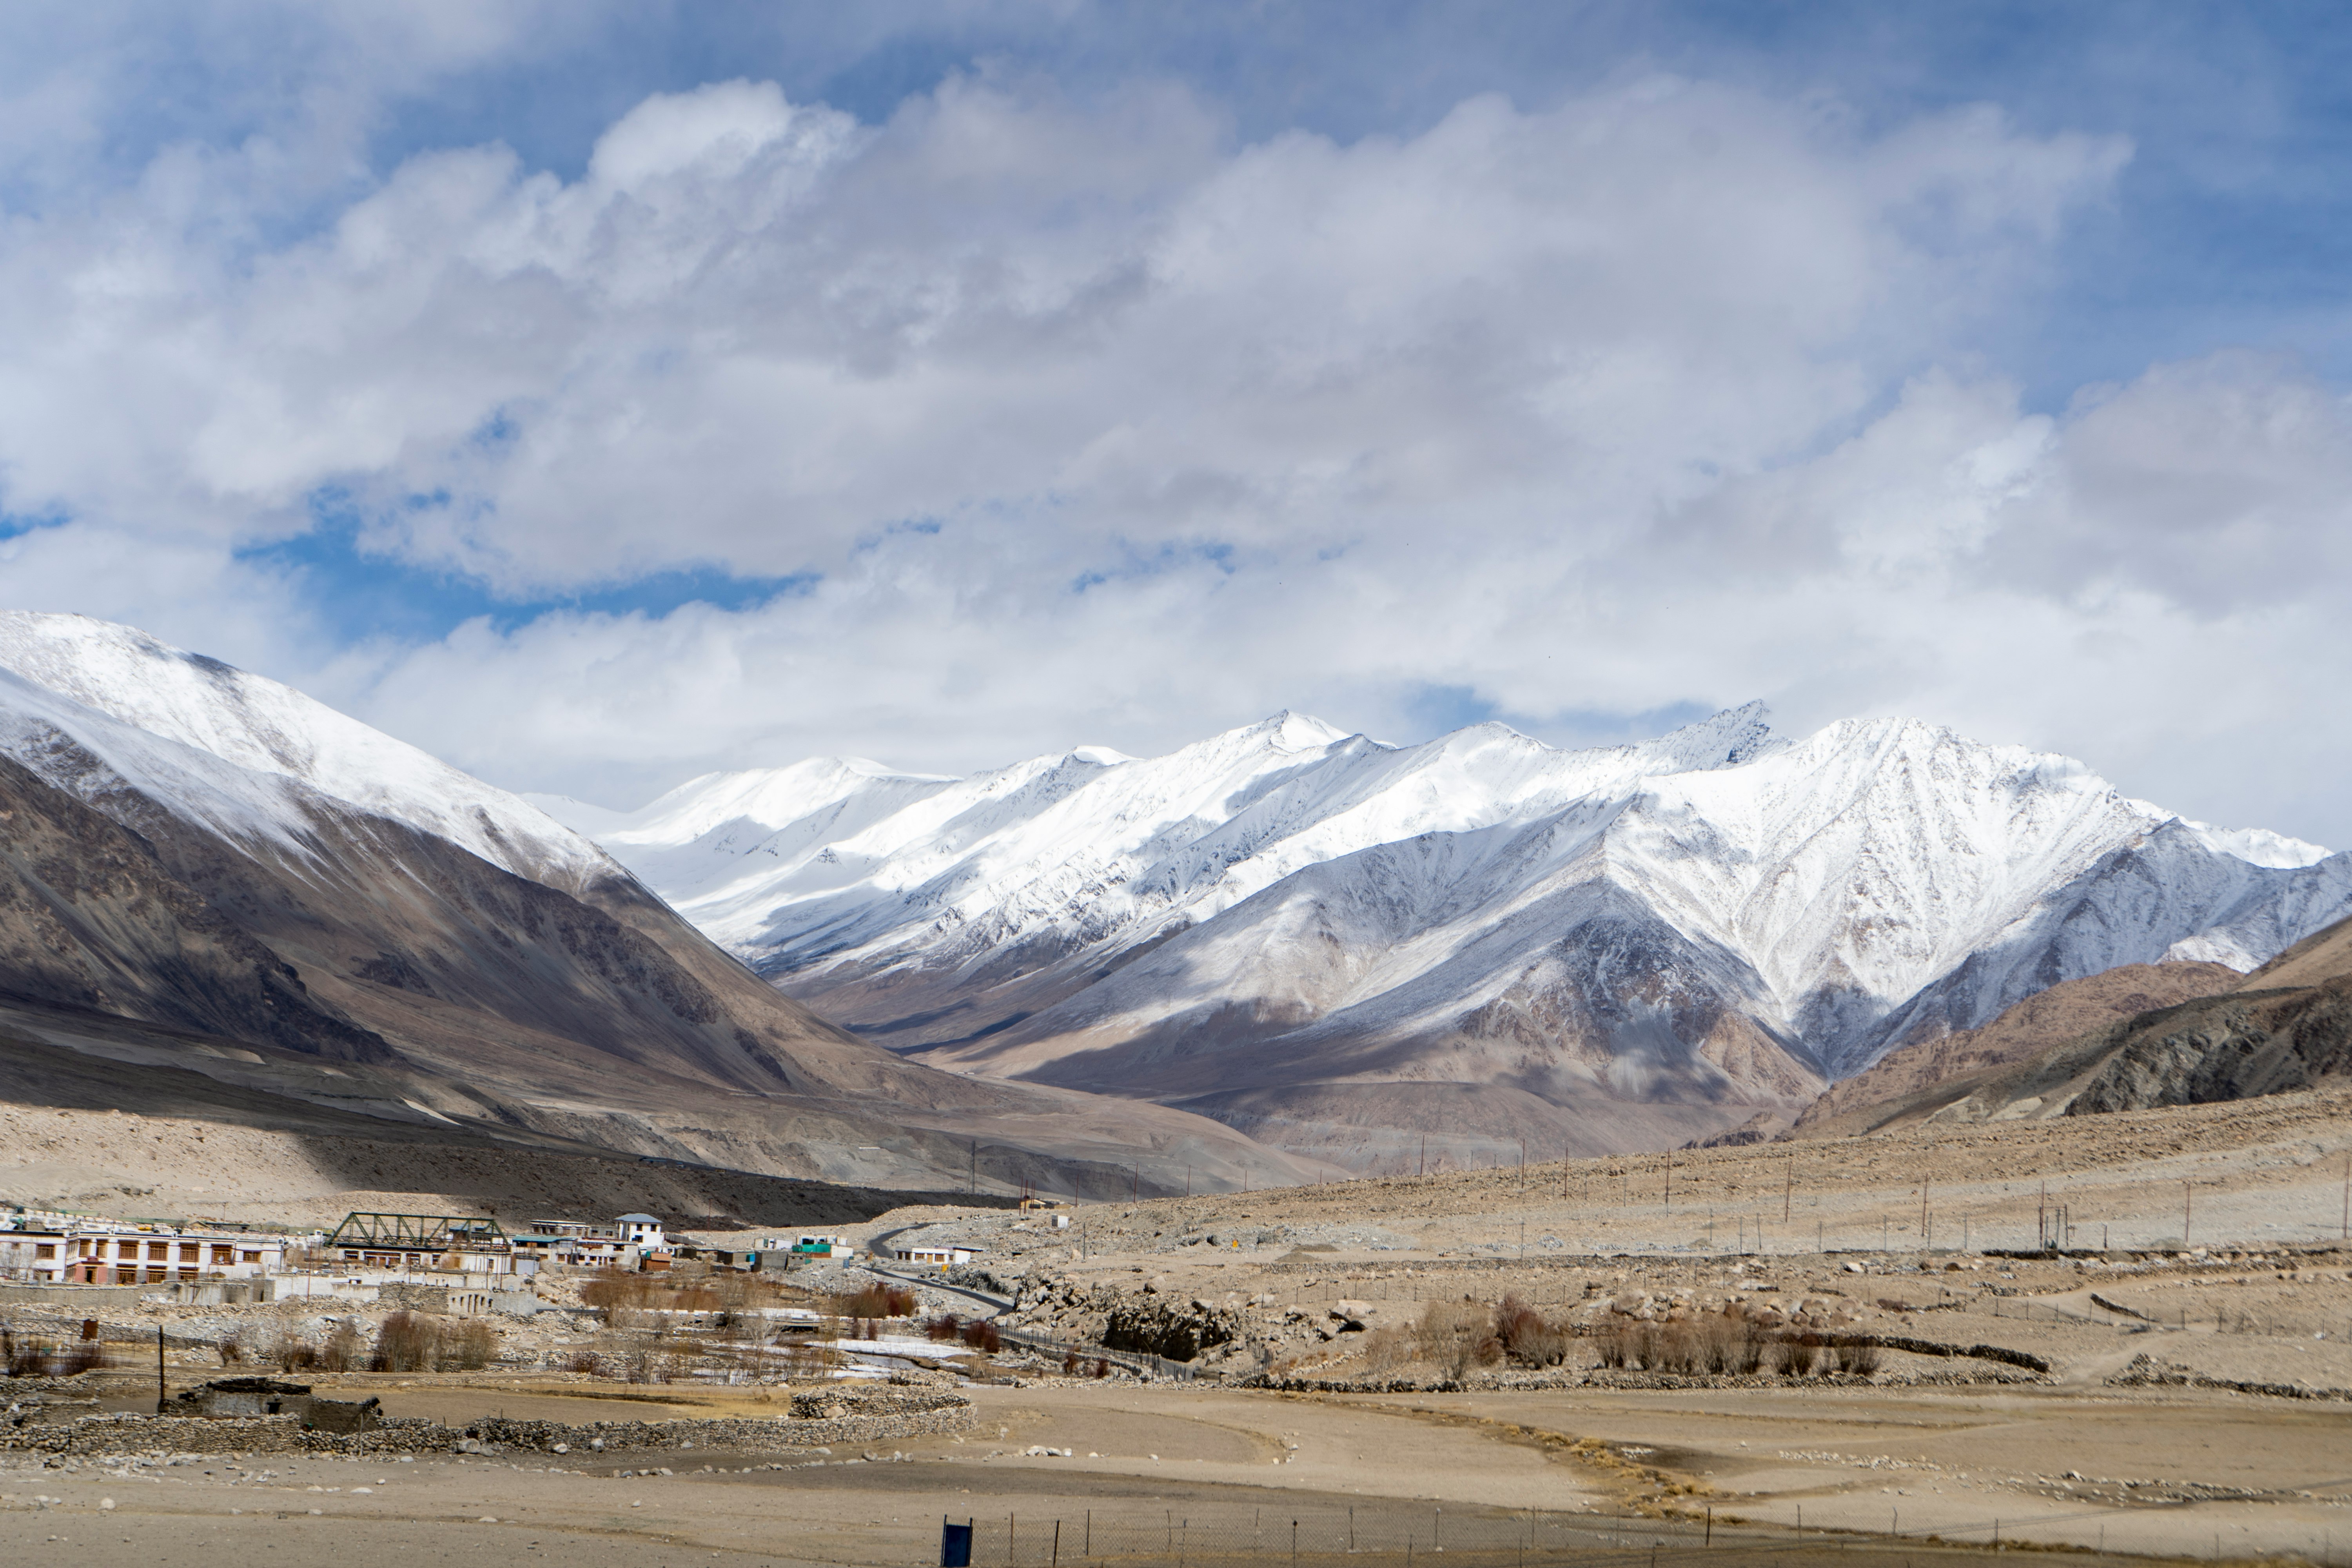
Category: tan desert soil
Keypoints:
(126, 1165)
(2076, 1458)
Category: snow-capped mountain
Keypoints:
(242, 755)
(215, 860)
(1310, 934)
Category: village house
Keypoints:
(632, 1241)
(33, 1246)
(113, 1252)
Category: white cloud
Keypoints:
(1663, 395)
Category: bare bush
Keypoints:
(1861, 1361)
(981, 1336)
(1384, 1348)
(876, 1301)
(470, 1346)
(230, 1347)
(1527, 1336)
(408, 1342)
(291, 1351)
(343, 1348)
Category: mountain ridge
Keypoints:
(1720, 918)
(459, 953)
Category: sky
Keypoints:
(599, 395)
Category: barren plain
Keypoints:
(2176, 1383)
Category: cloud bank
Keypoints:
(1018, 419)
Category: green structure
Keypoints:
(417, 1232)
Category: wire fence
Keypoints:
(1362, 1537)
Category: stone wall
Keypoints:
(911, 1413)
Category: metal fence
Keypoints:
(1364, 1537)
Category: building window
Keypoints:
(253, 1258)
(46, 1249)
(189, 1252)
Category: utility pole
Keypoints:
(1670, 1179)
(1788, 1191)
(975, 1167)
(1424, 1156)
(2187, 1204)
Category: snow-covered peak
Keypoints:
(1725, 739)
(1846, 873)
(144, 707)
(2259, 845)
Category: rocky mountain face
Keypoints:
(289, 900)
(1348, 948)
(1917, 1080)
(2284, 1027)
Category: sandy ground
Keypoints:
(2213, 1473)
(1584, 1467)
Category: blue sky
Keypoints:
(599, 395)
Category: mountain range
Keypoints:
(1359, 952)
(205, 872)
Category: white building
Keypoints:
(32, 1248)
(101, 1252)
(935, 1255)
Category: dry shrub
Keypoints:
(1794, 1357)
(408, 1342)
(1102, 1366)
(609, 1292)
(291, 1352)
(1730, 1346)
(1526, 1336)
(876, 1301)
(231, 1346)
(587, 1361)
(1384, 1348)
(469, 1346)
(1859, 1360)
(981, 1336)
(343, 1350)
(946, 1326)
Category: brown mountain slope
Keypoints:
(2259, 1037)
(1920, 1080)
(482, 997)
